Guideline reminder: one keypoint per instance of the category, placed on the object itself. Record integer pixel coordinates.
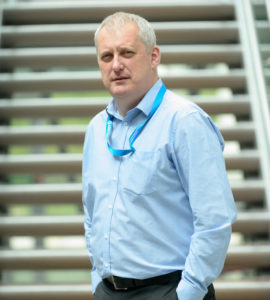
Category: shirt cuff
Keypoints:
(185, 291)
(96, 279)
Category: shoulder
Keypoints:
(187, 119)
(180, 108)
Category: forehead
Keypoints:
(117, 35)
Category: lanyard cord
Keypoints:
(137, 130)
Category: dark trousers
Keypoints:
(105, 291)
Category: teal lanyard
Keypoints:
(137, 130)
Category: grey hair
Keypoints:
(146, 31)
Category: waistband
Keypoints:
(120, 283)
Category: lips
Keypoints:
(120, 78)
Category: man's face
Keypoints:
(128, 70)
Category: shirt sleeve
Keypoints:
(88, 210)
(200, 164)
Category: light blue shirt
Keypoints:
(166, 207)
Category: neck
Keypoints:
(126, 103)
(123, 106)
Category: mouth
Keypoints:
(120, 78)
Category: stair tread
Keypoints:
(79, 56)
(82, 34)
(245, 255)
(249, 190)
(73, 225)
(95, 10)
(86, 107)
(71, 162)
(74, 134)
(82, 56)
(248, 288)
(79, 80)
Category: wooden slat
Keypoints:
(244, 160)
(249, 191)
(88, 81)
(78, 107)
(238, 256)
(44, 259)
(74, 134)
(252, 222)
(41, 193)
(167, 33)
(247, 222)
(243, 290)
(49, 134)
(41, 163)
(83, 34)
(65, 163)
(233, 290)
(95, 11)
(86, 56)
(69, 291)
(51, 108)
(248, 256)
(41, 225)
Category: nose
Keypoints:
(117, 64)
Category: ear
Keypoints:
(155, 57)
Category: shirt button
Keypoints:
(106, 265)
(106, 236)
(125, 123)
(114, 178)
(110, 206)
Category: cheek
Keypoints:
(103, 68)
(104, 74)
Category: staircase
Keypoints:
(50, 88)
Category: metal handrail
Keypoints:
(1, 23)
(256, 85)
(267, 3)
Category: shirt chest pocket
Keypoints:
(138, 172)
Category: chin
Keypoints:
(119, 91)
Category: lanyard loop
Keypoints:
(137, 130)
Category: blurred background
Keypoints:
(214, 52)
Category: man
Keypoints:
(158, 205)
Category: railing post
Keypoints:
(256, 86)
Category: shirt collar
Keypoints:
(145, 105)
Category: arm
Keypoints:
(88, 210)
(200, 164)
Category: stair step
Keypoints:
(243, 290)
(218, 32)
(41, 225)
(54, 291)
(86, 56)
(74, 134)
(247, 222)
(95, 11)
(249, 191)
(248, 256)
(65, 162)
(65, 107)
(83, 34)
(41, 193)
(238, 256)
(233, 290)
(86, 81)
(252, 222)
(78, 107)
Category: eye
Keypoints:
(128, 53)
(106, 57)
